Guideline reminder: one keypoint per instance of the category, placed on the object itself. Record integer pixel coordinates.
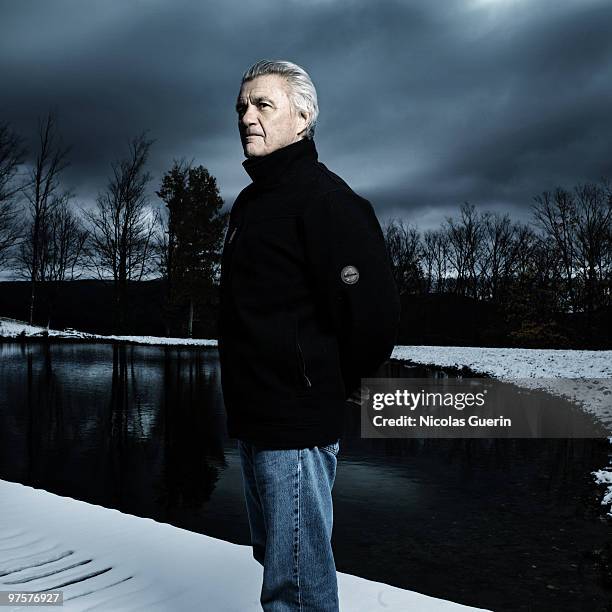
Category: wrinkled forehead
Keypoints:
(271, 86)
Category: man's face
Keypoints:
(266, 118)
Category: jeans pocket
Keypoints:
(331, 448)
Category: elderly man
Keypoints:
(308, 307)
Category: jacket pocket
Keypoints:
(305, 382)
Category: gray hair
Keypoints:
(302, 92)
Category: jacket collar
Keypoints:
(280, 164)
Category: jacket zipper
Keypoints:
(303, 362)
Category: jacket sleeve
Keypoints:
(351, 274)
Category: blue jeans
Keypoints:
(289, 505)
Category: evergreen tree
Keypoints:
(192, 252)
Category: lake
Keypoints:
(508, 524)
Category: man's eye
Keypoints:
(263, 104)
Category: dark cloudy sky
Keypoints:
(423, 104)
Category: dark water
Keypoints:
(502, 524)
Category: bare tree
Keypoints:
(62, 243)
(12, 154)
(43, 194)
(404, 247)
(498, 254)
(592, 240)
(123, 225)
(606, 263)
(465, 235)
(525, 244)
(435, 255)
(555, 213)
(65, 241)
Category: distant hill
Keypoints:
(84, 304)
(87, 305)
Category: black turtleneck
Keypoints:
(280, 165)
(308, 303)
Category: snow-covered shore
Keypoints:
(10, 328)
(103, 559)
(584, 377)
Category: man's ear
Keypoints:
(303, 118)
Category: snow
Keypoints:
(584, 377)
(47, 540)
(513, 362)
(604, 477)
(10, 328)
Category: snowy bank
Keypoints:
(103, 559)
(584, 377)
(605, 477)
(10, 328)
(513, 362)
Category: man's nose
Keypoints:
(249, 115)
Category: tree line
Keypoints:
(46, 235)
(557, 263)
(533, 273)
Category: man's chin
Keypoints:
(252, 151)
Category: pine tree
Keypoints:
(195, 231)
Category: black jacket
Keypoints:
(308, 301)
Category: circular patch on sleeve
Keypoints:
(350, 275)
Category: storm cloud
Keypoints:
(423, 105)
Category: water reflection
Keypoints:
(506, 524)
(127, 426)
